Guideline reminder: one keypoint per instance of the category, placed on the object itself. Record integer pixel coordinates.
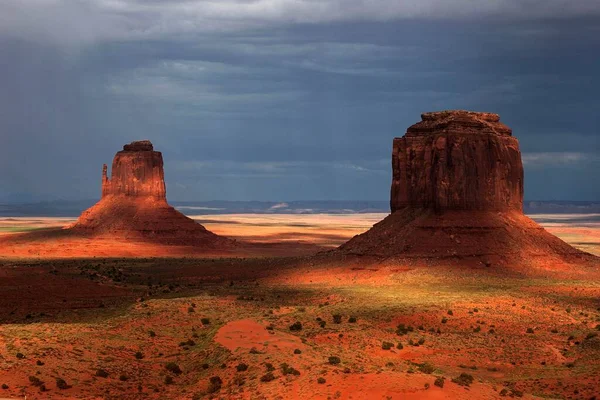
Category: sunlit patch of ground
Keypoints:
(519, 337)
(326, 230)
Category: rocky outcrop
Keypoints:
(457, 160)
(137, 171)
(457, 194)
(134, 204)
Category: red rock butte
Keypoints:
(134, 204)
(457, 192)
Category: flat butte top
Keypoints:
(459, 122)
(141, 145)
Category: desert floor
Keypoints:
(295, 328)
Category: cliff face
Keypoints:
(137, 171)
(457, 160)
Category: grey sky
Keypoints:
(289, 99)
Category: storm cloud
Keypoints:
(289, 100)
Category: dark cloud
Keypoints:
(278, 107)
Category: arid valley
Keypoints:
(162, 326)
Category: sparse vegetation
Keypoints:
(242, 367)
(268, 377)
(296, 326)
(101, 373)
(334, 360)
(387, 345)
(214, 384)
(439, 381)
(173, 368)
(321, 380)
(463, 379)
(61, 384)
(337, 319)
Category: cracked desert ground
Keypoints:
(275, 327)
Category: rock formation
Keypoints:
(454, 160)
(134, 204)
(457, 192)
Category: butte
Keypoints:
(457, 194)
(134, 207)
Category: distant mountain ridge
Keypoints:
(68, 208)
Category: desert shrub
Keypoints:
(450, 312)
(297, 351)
(439, 381)
(426, 368)
(254, 350)
(20, 356)
(296, 326)
(61, 383)
(39, 363)
(43, 388)
(101, 373)
(168, 380)
(554, 330)
(477, 329)
(242, 367)
(215, 383)
(268, 377)
(444, 320)
(322, 324)
(151, 333)
(190, 309)
(139, 355)
(334, 360)
(173, 368)
(529, 330)
(205, 321)
(337, 319)
(269, 367)
(387, 345)
(591, 335)
(403, 329)
(463, 379)
(287, 370)
(399, 346)
(475, 310)
(352, 320)
(205, 366)
(421, 341)
(321, 380)
(188, 342)
(35, 381)
(123, 377)
(4, 386)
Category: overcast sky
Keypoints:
(289, 99)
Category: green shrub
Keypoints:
(173, 368)
(39, 363)
(139, 355)
(287, 370)
(215, 383)
(352, 320)
(387, 345)
(297, 351)
(296, 326)
(151, 333)
(242, 367)
(4, 386)
(426, 368)
(168, 380)
(321, 380)
(35, 381)
(123, 377)
(101, 373)
(205, 321)
(463, 379)
(439, 381)
(268, 377)
(444, 320)
(402, 329)
(334, 360)
(337, 319)
(450, 312)
(61, 383)
(399, 346)
(529, 330)
(20, 356)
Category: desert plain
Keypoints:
(273, 321)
